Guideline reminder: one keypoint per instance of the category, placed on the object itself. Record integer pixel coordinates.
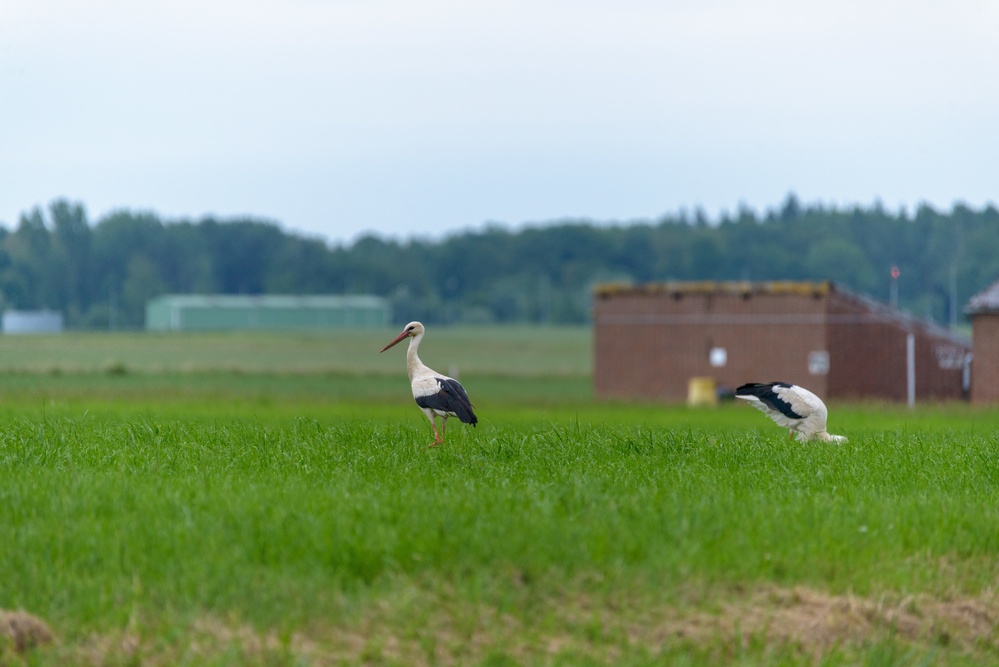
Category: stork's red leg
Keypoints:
(437, 438)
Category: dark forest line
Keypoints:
(100, 274)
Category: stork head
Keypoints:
(411, 330)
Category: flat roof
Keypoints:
(793, 287)
(272, 300)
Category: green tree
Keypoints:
(71, 254)
(102, 275)
(30, 252)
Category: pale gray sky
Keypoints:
(339, 117)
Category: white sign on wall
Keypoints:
(818, 362)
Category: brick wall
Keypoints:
(650, 342)
(649, 345)
(985, 367)
(869, 349)
(867, 355)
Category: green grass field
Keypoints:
(256, 500)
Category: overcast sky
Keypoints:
(339, 117)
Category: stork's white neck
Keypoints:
(413, 363)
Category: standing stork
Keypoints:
(436, 394)
(793, 407)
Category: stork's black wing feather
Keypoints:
(765, 392)
(450, 397)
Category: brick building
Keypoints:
(983, 308)
(651, 340)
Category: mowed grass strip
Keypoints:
(289, 526)
(488, 350)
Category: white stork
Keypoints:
(793, 407)
(436, 394)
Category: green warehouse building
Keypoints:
(195, 312)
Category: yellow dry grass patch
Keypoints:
(20, 631)
(448, 632)
(816, 622)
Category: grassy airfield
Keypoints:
(270, 500)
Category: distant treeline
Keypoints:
(101, 275)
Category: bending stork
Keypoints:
(793, 407)
(436, 394)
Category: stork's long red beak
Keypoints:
(404, 334)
